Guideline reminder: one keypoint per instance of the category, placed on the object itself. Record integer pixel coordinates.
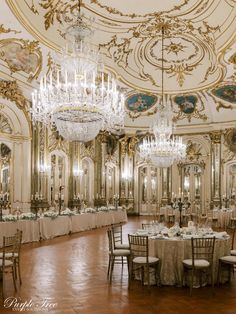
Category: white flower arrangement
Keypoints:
(27, 216)
(89, 210)
(103, 209)
(111, 207)
(9, 217)
(67, 212)
(50, 214)
(120, 208)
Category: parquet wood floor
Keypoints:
(70, 271)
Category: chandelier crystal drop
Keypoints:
(163, 148)
(77, 96)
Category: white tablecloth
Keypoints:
(47, 228)
(90, 221)
(172, 252)
(51, 228)
(30, 230)
(224, 217)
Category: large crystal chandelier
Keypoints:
(162, 147)
(77, 96)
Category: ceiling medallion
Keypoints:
(163, 148)
(226, 92)
(188, 108)
(79, 98)
(140, 104)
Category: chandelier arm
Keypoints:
(162, 67)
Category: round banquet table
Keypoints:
(172, 252)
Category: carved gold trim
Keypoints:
(8, 30)
(11, 91)
(215, 136)
(180, 114)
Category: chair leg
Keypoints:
(19, 271)
(191, 283)
(3, 280)
(212, 280)
(112, 267)
(148, 276)
(218, 274)
(130, 273)
(230, 266)
(14, 277)
(109, 267)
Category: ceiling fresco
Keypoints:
(199, 50)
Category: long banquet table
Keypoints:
(48, 228)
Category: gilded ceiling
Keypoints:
(199, 50)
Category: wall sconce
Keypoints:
(126, 176)
(78, 172)
(43, 168)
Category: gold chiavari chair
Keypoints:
(115, 255)
(201, 261)
(117, 234)
(7, 264)
(140, 259)
(13, 254)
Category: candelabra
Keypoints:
(116, 200)
(180, 204)
(77, 202)
(3, 204)
(228, 200)
(60, 199)
(37, 203)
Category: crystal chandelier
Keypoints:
(163, 148)
(78, 97)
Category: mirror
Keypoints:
(5, 159)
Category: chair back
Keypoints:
(203, 248)
(117, 233)
(10, 246)
(138, 246)
(231, 232)
(110, 241)
(18, 241)
(146, 226)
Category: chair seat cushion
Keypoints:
(143, 260)
(233, 252)
(197, 263)
(7, 262)
(120, 252)
(8, 255)
(122, 246)
(228, 259)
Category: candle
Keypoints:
(56, 197)
(62, 197)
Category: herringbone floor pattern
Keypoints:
(70, 271)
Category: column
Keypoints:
(215, 168)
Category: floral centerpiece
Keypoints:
(27, 216)
(111, 207)
(174, 231)
(50, 214)
(89, 210)
(9, 217)
(67, 212)
(103, 209)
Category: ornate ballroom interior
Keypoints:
(171, 59)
